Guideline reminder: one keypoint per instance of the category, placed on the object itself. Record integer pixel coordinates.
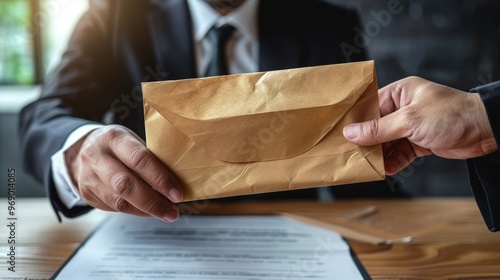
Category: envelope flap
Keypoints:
(261, 116)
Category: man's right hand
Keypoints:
(420, 118)
(114, 171)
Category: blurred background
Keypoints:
(453, 42)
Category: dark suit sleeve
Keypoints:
(484, 172)
(69, 99)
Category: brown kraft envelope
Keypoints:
(264, 132)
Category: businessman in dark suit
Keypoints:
(89, 118)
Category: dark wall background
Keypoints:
(452, 42)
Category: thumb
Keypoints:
(374, 131)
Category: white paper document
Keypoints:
(211, 247)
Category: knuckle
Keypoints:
(410, 121)
(123, 184)
(154, 207)
(113, 133)
(140, 158)
(121, 205)
(161, 181)
(88, 154)
(86, 194)
(372, 129)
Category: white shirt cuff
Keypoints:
(64, 186)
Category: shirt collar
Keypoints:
(242, 18)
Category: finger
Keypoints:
(387, 147)
(386, 102)
(138, 158)
(402, 155)
(128, 193)
(385, 129)
(397, 95)
(88, 182)
(94, 201)
(399, 157)
(89, 192)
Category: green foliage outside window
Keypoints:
(16, 56)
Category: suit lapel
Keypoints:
(172, 39)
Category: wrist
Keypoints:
(72, 163)
(71, 158)
(64, 184)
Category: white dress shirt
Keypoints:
(242, 53)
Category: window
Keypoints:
(16, 55)
(37, 32)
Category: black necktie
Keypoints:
(218, 37)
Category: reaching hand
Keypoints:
(114, 171)
(419, 118)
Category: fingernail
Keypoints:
(176, 195)
(171, 215)
(351, 131)
(390, 169)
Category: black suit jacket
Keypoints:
(484, 172)
(119, 44)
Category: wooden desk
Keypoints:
(42, 244)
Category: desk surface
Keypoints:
(43, 244)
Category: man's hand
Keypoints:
(419, 118)
(114, 171)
